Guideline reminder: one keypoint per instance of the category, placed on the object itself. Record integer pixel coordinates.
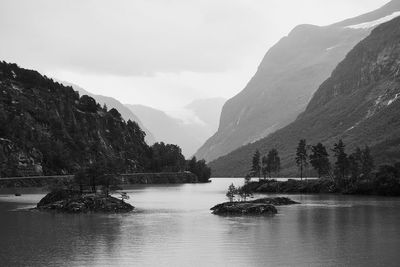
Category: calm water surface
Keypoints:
(172, 226)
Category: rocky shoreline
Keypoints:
(262, 206)
(125, 179)
(291, 186)
(71, 201)
(384, 183)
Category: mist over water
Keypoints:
(172, 226)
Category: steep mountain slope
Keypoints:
(359, 103)
(110, 102)
(47, 128)
(189, 135)
(286, 79)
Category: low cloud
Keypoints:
(163, 53)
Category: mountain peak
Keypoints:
(379, 13)
(286, 80)
(359, 104)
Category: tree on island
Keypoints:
(319, 159)
(256, 167)
(301, 156)
(230, 194)
(244, 192)
(272, 163)
(124, 196)
(103, 172)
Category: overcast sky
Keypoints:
(160, 53)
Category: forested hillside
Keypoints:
(48, 128)
(111, 102)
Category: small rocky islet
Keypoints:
(262, 206)
(72, 201)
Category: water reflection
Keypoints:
(172, 226)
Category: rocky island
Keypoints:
(72, 201)
(262, 206)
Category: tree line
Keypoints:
(104, 172)
(342, 172)
(358, 163)
(266, 165)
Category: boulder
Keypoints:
(57, 195)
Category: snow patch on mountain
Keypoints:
(240, 116)
(393, 99)
(374, 23)
(332, 47)
(16, 88)
(354, 126)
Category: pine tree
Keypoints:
(230, 194)
(256, 167)
(301, 156)
(319, 159)
(274, 161)
(342, 161)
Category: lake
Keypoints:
(172, 226)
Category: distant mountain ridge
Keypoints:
(189, 135)
(161, 127)
(285, 81)
(359, 103)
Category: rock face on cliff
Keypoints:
(70, 201)
(286, 79)
(47, 128)
(359, 103)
